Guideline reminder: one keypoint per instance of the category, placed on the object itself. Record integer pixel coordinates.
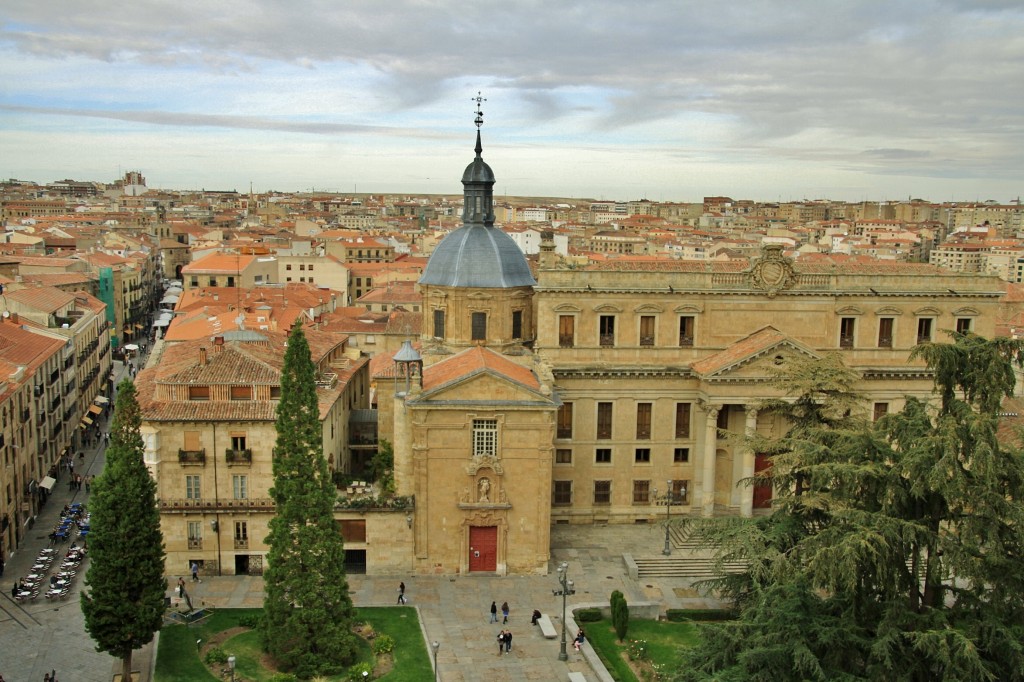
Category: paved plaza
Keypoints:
(42, 635)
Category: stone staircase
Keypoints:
(687, 561)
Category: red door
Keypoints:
(762, 493)
(483, 548)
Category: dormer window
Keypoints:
(198, 392)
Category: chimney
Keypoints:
(218, 343)
(14, 318)
(202, 356)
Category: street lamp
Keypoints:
(231, 664)
(435, 646)
(668, 511)
(567, 589)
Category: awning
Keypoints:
(86, 420)
(102, 400)
(162, 323)
(47, 482)
(96, 409)
(138, 326)
(131, 347)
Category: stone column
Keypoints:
(710, 448)
(747, 491)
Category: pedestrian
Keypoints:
(181, 587)
(494, 612)
(14, 589)
(501, 642)
(88, 483)
(401, 592)
(536, 617)
(508, 641)
(195, 572)
(504, 612)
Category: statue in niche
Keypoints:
(484, 490)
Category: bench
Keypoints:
(546, 628)
(577, 677)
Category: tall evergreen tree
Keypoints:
(308, 610)
(896, 551)
(123, 602)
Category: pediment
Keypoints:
(648, 308)
(481, 388)
(607, 308)
(849, 310)
(688, 308)
(567, 308)
(756, 357)
(888, 310)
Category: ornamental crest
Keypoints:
(772, 272)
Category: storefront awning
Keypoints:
(96, 409)
(102, 400)
(47, 482)
(86, 420)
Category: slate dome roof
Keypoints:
(478, 256)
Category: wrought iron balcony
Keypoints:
(238, 457)
(197, 457)
(265, 504)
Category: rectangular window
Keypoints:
(643, 420)
(192, 489)
(885, 332)
(606, 330)
(438, 324)
(686, 330)
(241, 534)
(924, 330)
(647, 330)
(564, 429)
(846, 329)
(602, 492)
(680, 492)
(881, 409)
(288, 266)
(192, 441)
(194, 281)
(195, 534)
(240, 486)
(603, 456)
(485, 437)
(302, 266)
(517, 324)
(604, 420)
(642, 456)
(566, 331)
(723, 418)
(198, 392)
(682, 420)
(563, 456)
(241, 392)
(963, 325)
(641, 492)
(311, 267)
(562, 494)
(238, 441)
(479, 326)
(681, 455)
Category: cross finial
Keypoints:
(479, 120)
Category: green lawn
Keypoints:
(178, 661)
(664, 640)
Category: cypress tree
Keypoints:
(308, 610)
(620, 614)
(123, 602)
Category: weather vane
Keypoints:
(479, 120)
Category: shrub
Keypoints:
(283, 677)
(355, 673)
(588, 615)
(252, 620)
(637, 650)
(383, 644)
(682, 615)
(620, 615)
(216, 655)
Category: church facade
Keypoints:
(600, 394)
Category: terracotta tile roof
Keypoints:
(474, 361)
(59, 278)
(21, 347)
(43, 261)
(221, 263)
(753, 345)
(43, 299)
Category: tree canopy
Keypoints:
(123, 602)
(896, 548)
(308, 609)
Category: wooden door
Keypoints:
(762, 493)
(483, 548)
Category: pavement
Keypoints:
(454, 610)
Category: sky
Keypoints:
(674, 100)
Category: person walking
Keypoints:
(401, 592)
(501, 642)
(181, 587)
(195, 572)
(494, 612)
(504, 612)
(508, 641)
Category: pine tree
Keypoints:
(124, 600)
(308, 609)
(896, 551)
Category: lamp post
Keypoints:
(231, 665)
(567, 589)
(668, 511)
(435, 646)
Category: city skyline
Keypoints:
(767, 101)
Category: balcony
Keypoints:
(238, 457)
(195, 543)
(264, 504)
(192, 457)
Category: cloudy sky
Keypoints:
(614, 99)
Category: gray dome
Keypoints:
(478, 171)
(478, 256)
